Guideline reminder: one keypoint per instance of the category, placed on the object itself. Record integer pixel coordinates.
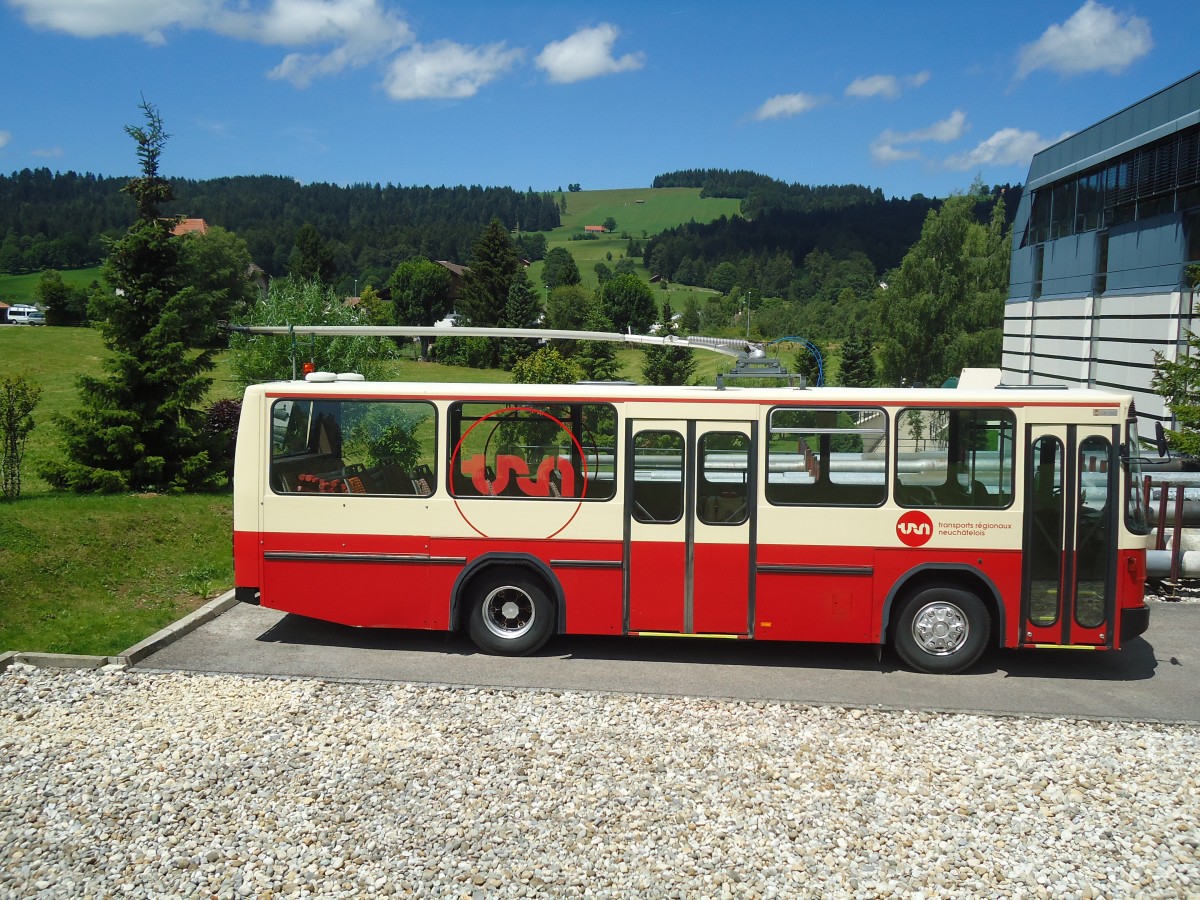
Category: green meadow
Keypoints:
(16, 289)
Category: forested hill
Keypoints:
(58, 220)
(760, 193)
(794, 220)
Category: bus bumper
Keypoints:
(1134, 622)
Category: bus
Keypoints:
(939, 522)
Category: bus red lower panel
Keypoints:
(362, 580)
(814, 593)
(656, 585)
(593, 599)
(721, 589)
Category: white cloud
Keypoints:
(49, 153)
(588, 53)
(1007, 147)
(357, 32)
(5, 137)
(446, 70)
(146, 19)
(885, 150)
(1095, 37)
(785, 105)
(889, 86)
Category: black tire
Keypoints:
(510, 613)
(942, 630)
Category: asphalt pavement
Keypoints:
(1151, 679)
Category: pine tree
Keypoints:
(598, 359)
(522, 310)
(139, 428)
(665, 364)
(495, 267)
(858, 365)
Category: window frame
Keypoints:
(818, 431)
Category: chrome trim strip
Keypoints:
(781, 569)
(320, 556)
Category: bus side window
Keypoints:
(657, 476)
(955, 458)
(824, 456)
(353, 447)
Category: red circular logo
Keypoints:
(914, 528)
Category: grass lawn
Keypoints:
(23, 288)
(95, 574)
(641, 209)
(90, 573)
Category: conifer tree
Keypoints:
(494, 269)
(858, 365)
(598, 359)
(665, 364)
(522, 309)
(138, 428)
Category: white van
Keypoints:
(26, 315)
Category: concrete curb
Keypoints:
(176, 630)
(134, 654)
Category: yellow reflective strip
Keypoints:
(1065, 646)
(726, 637)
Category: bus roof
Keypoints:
(621, 392)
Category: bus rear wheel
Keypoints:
(942, 630)
(511, 614)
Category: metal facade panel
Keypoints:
(1069, 266)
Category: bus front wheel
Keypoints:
(942, 630)
(511, 614)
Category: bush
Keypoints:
(221, 420)
(18, 397)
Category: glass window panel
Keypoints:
(537, 451)
(723, 483)
(827, 456)
(1094, 534)
(354, 447)
(958, 458)
(1046, 537)
(658, 476)
(1062, 213)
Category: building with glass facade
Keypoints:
(1104, 232)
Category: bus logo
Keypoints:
(914, 528)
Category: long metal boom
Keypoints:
(735, 349)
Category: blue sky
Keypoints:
(909, 97)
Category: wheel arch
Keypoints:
(955, 575)
(489, 562)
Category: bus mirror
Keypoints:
(1160, 439)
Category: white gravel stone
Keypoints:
(137, 784)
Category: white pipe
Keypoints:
(1158, 563)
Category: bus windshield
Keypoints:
(1135, 509)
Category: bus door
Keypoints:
(690, 520)
(1072, 509)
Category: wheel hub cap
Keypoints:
(940, 628)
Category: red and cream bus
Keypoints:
(939, 521)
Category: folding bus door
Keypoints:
(1072, 504)
(690, 519)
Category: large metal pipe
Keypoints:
(1158, 564)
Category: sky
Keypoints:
(910, 97)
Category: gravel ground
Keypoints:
(140, 784)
